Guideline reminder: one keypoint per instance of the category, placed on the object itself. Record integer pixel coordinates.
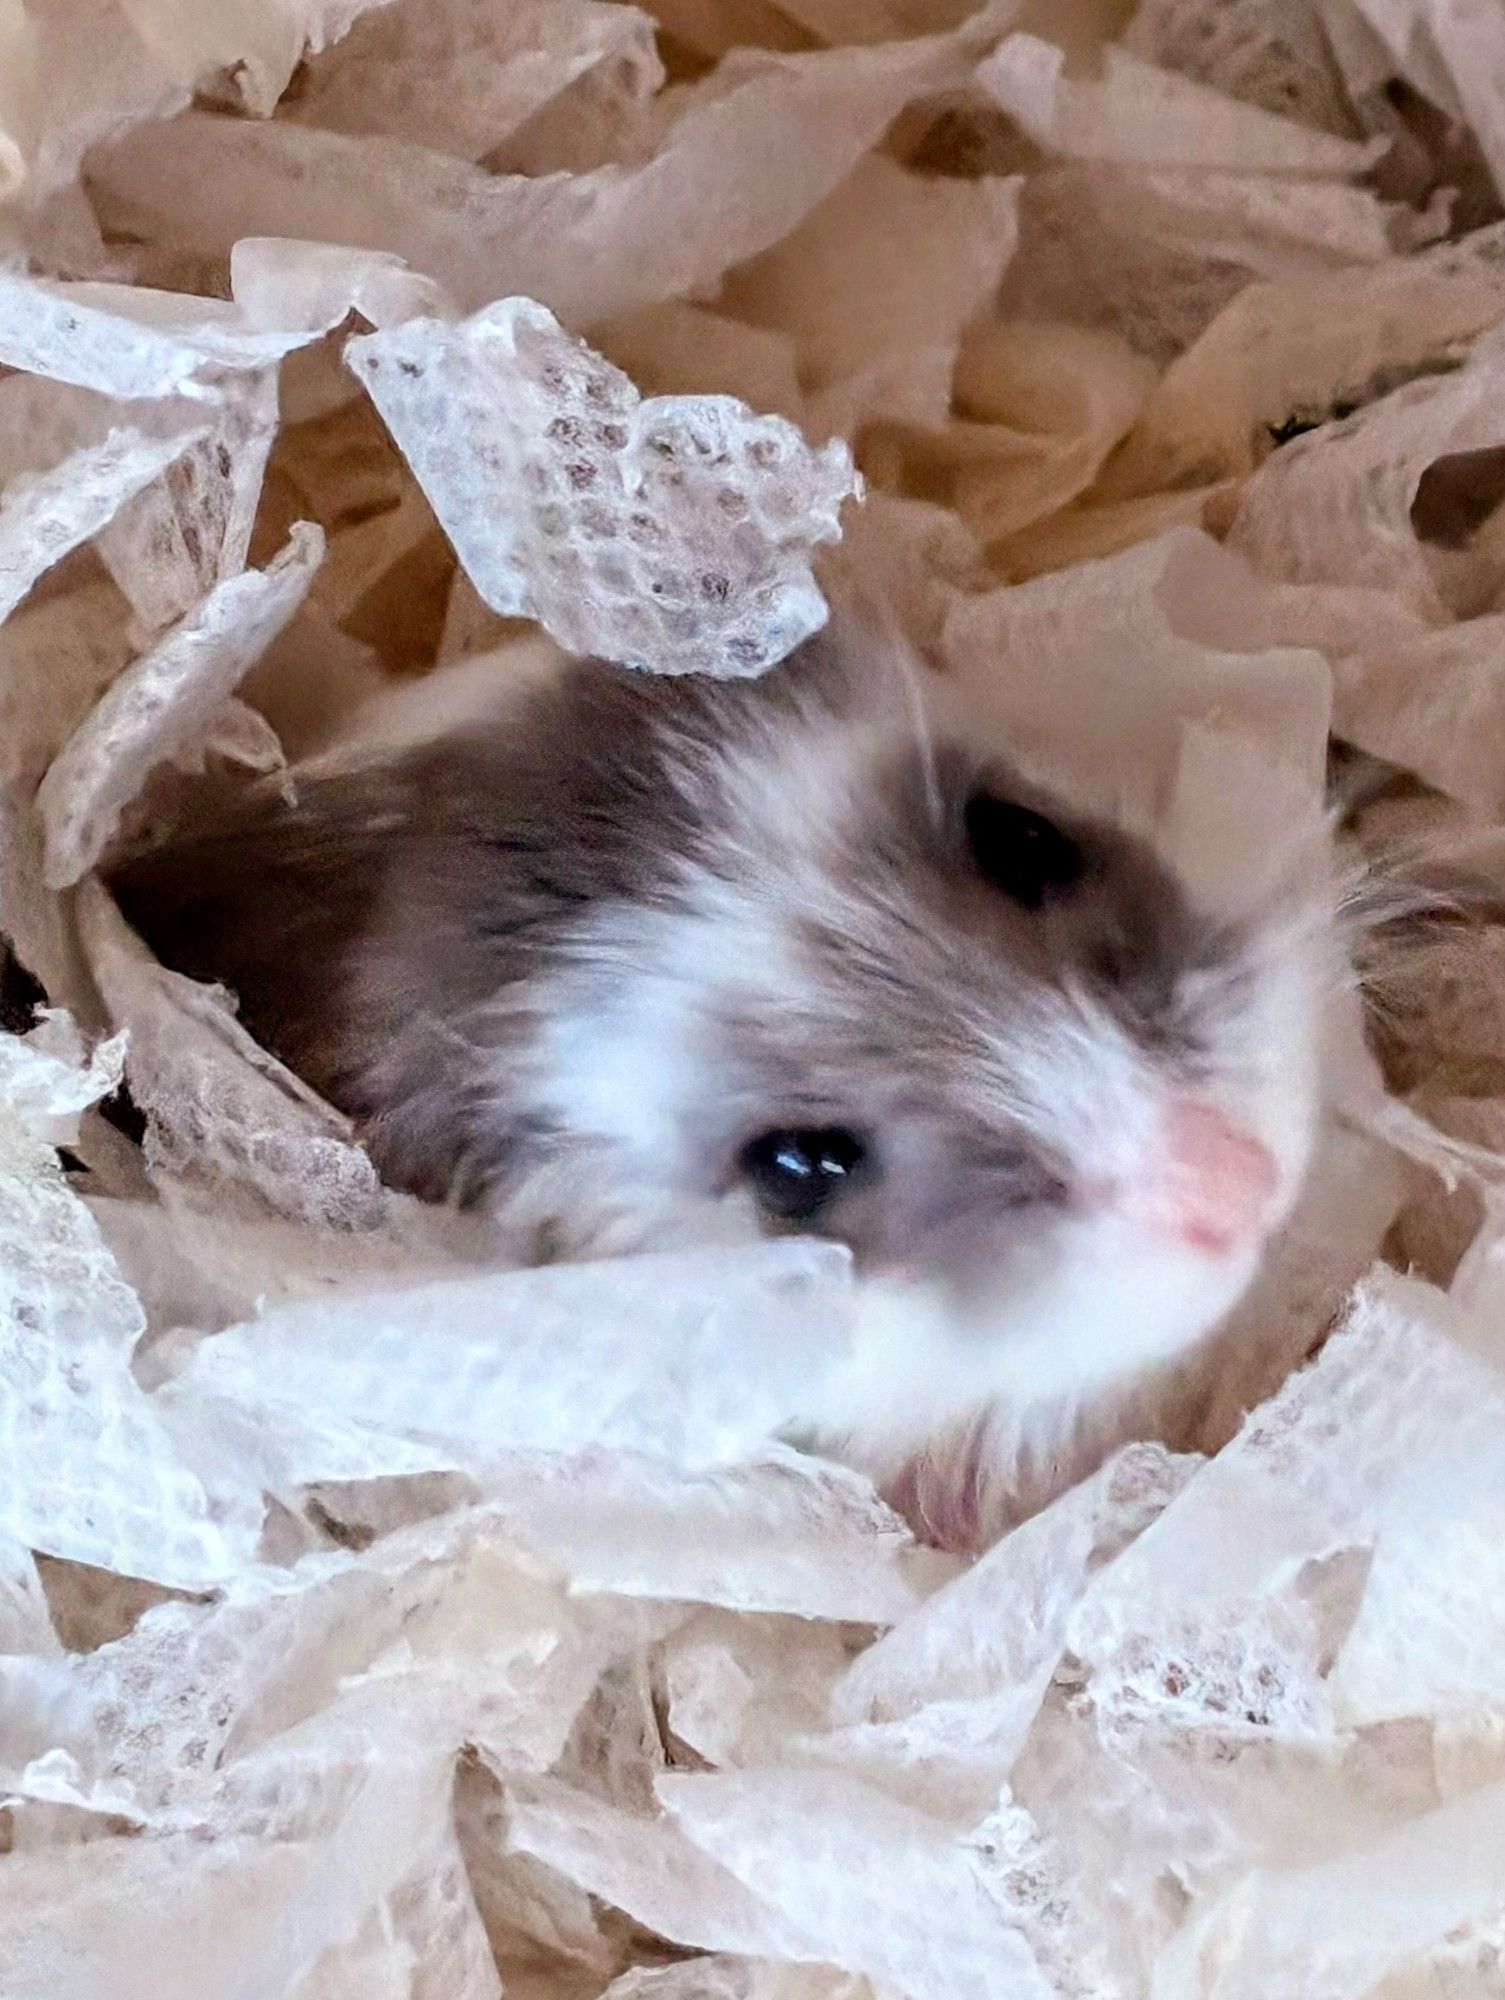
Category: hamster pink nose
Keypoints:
(1213, 1185)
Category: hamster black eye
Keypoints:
(795, 1173)
(1020, 852)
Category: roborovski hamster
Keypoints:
(639, 961)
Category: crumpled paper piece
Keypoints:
(862, 1919)
(89, 1471)
(124, 341)
(17, 97)
(1393, 1387)
(1363, 529)
(389, 1623)
(778, 1534)
(1158, 252)
(1260, 52)
(672, 534)
(944, 1705)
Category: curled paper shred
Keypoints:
(641, 1864)
(1424, 1901)
(1044, 406)
(1433, 700)
(1456, 57)
(164, 706)
(96, 1908)
(47, 1078)
(686, 350)
(842, 22)
(43, 517)
(18, 96)
(1144, 116)
(940, 1708)
(264, 49)
(779, 1534)
(670, 534)
(723, 1873)
(850, 1867)
(25, 1625)
(89, 1472)
(1000, 1627)
(163, 357)
(1217, 1651)
(134, 344)
(1421, 1641)
(56, 655)
(190, 531)
(1357, 502)
(63, 46)
(278, 282)
(465, 75)
(875, 288)
(216, 1682)
(1157, 253)
(1293, 352)
(1405, 1395)
(108, 67)
(130, 343)
(722, 1976)
(727, 1700)
(589, 246)
(1258, 52)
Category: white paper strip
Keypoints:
(692, 1358)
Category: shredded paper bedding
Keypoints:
(379, 1623)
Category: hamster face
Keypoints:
(901, 999)
(646, 963)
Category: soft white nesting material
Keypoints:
(377, 1622)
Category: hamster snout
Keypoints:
(1203, 1182)
(1212, 1185)
(643, 962)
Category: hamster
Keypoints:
(641, 961)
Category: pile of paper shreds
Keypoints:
(375, 1622)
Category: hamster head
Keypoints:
(643, 962)
(898, 997)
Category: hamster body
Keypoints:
(644, 962)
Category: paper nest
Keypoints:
(377, 1622)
